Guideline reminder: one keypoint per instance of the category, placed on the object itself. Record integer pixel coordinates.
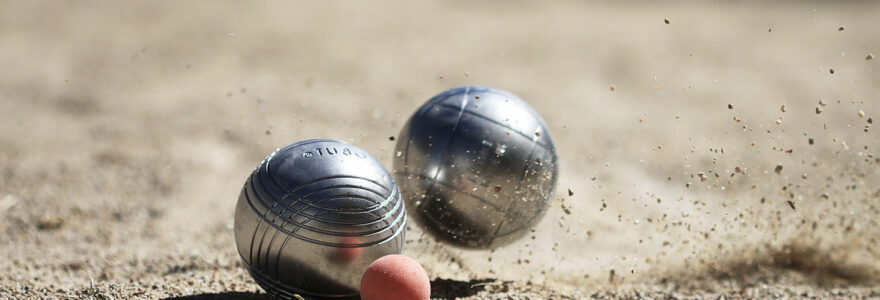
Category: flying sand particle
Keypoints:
(49, 222)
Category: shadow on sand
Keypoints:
(225, 296)
(451, 289)
(440, 288)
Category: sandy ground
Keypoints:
(696, 159)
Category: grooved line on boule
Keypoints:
(259, 222)
(390, 227)
(295, 188)
(275, 234)
(397, 207)
(300, 212)
(406, 150)
(484, 117)
(455, 189)
(291, 192)
(464, 101)
(395, 233)
(275, 218)
(265, 262)
(293, 233)
(269, 249)
(376, 204)
(518, 185)
(541, 209)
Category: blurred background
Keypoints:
(704, 146)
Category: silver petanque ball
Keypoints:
(476, 167)
(313, 215)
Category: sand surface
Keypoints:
(697, 163)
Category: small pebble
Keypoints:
(49, 222)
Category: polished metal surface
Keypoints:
(313, 215)
(476, 167)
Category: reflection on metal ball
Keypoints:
(313, 215)
(476, 167)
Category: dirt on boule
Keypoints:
(733, 155)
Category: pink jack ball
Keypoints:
(395, 276)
